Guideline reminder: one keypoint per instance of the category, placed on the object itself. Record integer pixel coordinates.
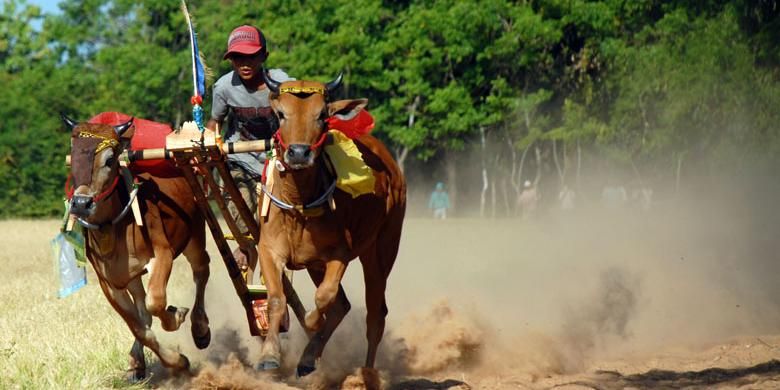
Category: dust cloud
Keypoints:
(473, 299)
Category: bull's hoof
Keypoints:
(304, 370)
(202, 341)
(183, 366)
(135, 375)
(268, 364)
(179, 316)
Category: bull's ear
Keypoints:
(346, 109)
(70, 123)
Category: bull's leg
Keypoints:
(199, 261)
(333, 318)
(376, 307)
(123, 304)
(271, 352)
(325, 294)
(377, 263)
(160, 266)
(136, 370)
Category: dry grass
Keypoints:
(51, 343)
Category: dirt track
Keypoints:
(562, 302)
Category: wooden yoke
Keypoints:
(191, 149)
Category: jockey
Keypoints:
(242, 98)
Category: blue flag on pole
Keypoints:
(198, 70)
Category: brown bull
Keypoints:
(368, 226)
(121, 251)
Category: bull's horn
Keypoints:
(120, 129)
(272, 84)
(68, 122)
(335, 83)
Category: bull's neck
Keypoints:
(302, 186)
(108, 208)
(103, 240)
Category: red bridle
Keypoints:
(70, 190)
(280, 146)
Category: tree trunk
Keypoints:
(557, 164)
(401, 153)
(513, 171)
(579, 163)
(493, 197)
(505, 194)
(178, 119)
(483, 142)
(538, 165)
(451, 168)
(520, 169)
(677, 176)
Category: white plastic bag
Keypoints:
(71, 275)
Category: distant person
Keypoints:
(614, 196)
(528, 200)
(439, 202)
(643, 197)
(566, 197)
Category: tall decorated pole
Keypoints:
(198, 72)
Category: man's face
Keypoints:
(247, 66)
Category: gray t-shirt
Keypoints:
(249, 116)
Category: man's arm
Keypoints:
(212, 124)
(219, 108)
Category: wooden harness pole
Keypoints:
(186, 156)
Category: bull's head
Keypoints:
(94, 166)
(303, 109)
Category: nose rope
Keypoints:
(321, 141)
(283, 146)
(108, 191)
(70, 190)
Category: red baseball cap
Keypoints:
(245, 40)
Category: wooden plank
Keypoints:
(183, 161)
(243, 242)
(243, 209)
(269, 185)
(189, 137)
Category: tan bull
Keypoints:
(368, 226)
(121, 251)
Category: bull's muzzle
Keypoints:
(82, 206)
(299, 156)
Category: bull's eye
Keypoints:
(280, 115)
(110, 161)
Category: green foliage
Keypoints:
(638, 81)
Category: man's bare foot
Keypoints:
(241, 259)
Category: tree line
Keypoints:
(486, 93)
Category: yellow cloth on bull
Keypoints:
(352, 174)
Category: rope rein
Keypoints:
(118, 218)
(286, 206)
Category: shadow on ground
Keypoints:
(420, 384)
(663, 379)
